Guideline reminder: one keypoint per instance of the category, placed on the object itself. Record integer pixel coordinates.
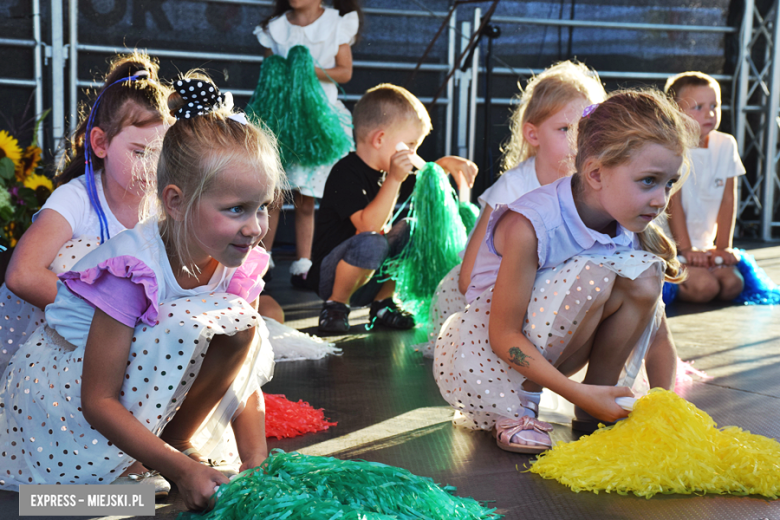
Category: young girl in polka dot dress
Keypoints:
(132, 114)
(571, 275)
(151, 346)
(538, 153)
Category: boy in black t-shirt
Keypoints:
(351, 235)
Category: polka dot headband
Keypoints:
(201, 97)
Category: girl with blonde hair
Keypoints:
(153, 345)
(538, 152)
(570, 275)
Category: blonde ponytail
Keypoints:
(654, 240)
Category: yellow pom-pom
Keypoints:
(666, 445)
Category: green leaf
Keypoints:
(6, 168)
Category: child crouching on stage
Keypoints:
(578, 280)
(154, 329)
(702, 214)
(352, 236)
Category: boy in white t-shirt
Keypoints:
(702, 214)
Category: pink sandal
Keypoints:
(506, 428)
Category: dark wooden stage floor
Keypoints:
(389, 410)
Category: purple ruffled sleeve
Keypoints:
(124, 287)
(247, 282)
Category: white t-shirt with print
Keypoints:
(702, 193)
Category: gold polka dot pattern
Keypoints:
(44, 437)
(19, 319)
(475, 381)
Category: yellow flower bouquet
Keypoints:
(23, 187)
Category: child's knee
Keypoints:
(377, 247)
(643, 291)
(241, 340)
(730, 286)
(702, 287)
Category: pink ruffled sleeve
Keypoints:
(247, 282)
(124, 287)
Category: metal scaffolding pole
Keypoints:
(57, 77)
(771, 154)
(38, 67)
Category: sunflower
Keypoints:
(39, 184)
(9, 147)
(31, 158)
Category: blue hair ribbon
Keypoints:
(92, 192)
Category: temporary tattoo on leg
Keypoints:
(518, 357)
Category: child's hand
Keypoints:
(400, 165)
(599, 401)
(696, 258)
(462, 170)
(197, 486)
(729, 258)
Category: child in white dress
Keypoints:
(577, 281)
(329, 34)
(702, 215)
(538, 153)
(151, 346)
(131, 116)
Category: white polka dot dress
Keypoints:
(18, 318)
(447, 300)
(44, 438)
(483, 387)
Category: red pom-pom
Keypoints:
(285, 419)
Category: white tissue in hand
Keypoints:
(417, 161)
(626, 403)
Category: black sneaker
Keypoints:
(334, 317)
(393, 317)
(299, 281)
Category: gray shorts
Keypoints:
(365, 250)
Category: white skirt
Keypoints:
(18, 318)
(46, 439)
(447, 300)
(483, 387)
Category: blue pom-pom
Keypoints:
(759, 288)
(669, 292)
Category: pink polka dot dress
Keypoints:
(45, 438)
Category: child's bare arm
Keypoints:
(342, 72)
(727, 217)
(462, 170)
(28, 273)
(105, 361)
(516, 242)
(472, 248)
(680, 234)
(378, 212)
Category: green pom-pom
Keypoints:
(268, 105)
(295, 486)
(469, 213)
(437, 236)
(290, 101)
